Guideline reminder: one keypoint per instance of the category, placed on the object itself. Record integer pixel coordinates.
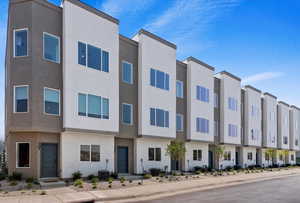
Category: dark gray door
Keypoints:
(210, 159)
(122, 159)
(49, 160)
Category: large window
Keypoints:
(127, 72)
(154, 154)
(93, 106)
(93, 57)
(21, 42)
(179, 122)
(179, 89)
(202, 125)
(90, 153)
(159, 79)
(51, 47)
(51, 101)
(23, 154)
(197, 155)
(21, 99)
(127, 113)
(159, 117)
(202, 93)
(232, 130)
(232, 104)
(227, 156)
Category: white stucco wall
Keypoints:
(70, 153)
(283, 126)
(229, 88)
(269, 121)
(294, 128)
(231, 162)
(244, 156)
(199, 75)
(142, 146)
(262, 158)
(189, 162)
(84, 26)
(252, 121)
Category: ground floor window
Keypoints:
(154, 154)
(267, 157)
(227, 156)
(280, 157)
(23, 154)
(292, 157)
(250, 156)
(197, 155)
(90, 153)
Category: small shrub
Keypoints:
(147, 176)
(94, 180)
(91, 176)
(155, 171)
(198, 172)
(76, 175)
(123, 184)
(13, 183)
(43, 192)
(15, 176)
(140, 183)
(122, 180)
(130, 181)
(114, 175)
(2, 176)
(110, 180)
(109, 185)
(103, 175)
(78, 183)
(29, 185)
(94, 186)
(29, 180)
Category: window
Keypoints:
(82, 104)
(232, 104)
(250, 156)
(202, 93)
(94, 57)
(227, 156)
(21, 99)
(154, 154)
(159, 117)
(21, 42)
(232, 130)
(254, 134)
(202, 125)
(127, 72)
(95, 152)
(254, 111)
(296, 142)
(127, 113)
(51, 101)
(179, 122)
(159, 79)
(281, 157)
(285, 140)
(93, 106)
(197, 155)
(105, 61)
(179, 89)
(292, 157)
(267, 157)
(216, 100)
(82, 53)
(216, 128)
(23, 154)
(51, 47)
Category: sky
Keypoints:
(256, 40)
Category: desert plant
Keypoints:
(29, 185)
(30, 180)
(219, 151)
(76, 175)
(15, 176)
(13, 183)
(176, 150)
(103, 175)
(155, 171)
(78, 183)
(110, 180)
(91, 176)
(2, 176)
(43, 192)
(147, 176)
(122, 180)
(94, 180)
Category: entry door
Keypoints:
(122, 161)
(210, 159)
(49, 160)
(237, 158)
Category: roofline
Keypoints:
(153, 36)
(253, 88)
(281, 102)
(190, 58)
(295, 107)
(230, 75)
(181, 63)
(271, 95)
(131, 41)
(94, 10)
(44, 3)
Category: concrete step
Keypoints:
(51, 183)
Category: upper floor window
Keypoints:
(197, 155)
(179, 89)
(254, 111)
(159, 117)
(93, 106)
(127, 113)
(216, 100)
(254, 134)
(202, 93)
(154, 154)
(93, 57)
(202, 125)
(51, 101)
(21, 99)
(21, 42)
(232, 130)
(159, 79)
(216, 128)
(232, 104)
(285, 140)
(179, 122)
(51, 47)
(127, 72)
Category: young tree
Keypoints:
(176, 150)
(272, 154)
(219, 151)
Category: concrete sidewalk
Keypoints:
(149, 190)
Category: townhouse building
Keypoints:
(82, 97)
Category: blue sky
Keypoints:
(257, 40)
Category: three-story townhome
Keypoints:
(252, 125)
(294, 133)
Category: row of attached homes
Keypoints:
(82, 97)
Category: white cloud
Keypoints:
(185, 21)
(128, 7)
(261, 77)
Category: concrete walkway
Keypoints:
(60, 195)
